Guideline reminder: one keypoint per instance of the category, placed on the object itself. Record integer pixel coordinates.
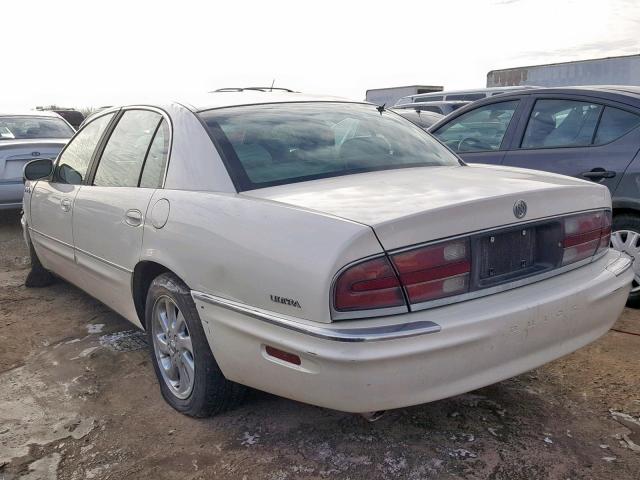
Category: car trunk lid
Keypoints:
(416, 205)
(14, 154)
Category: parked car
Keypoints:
(23, 137)
(459, 95)
(74, 117)
(323, 250)
(442, 108)
(586, 132)
(423, 118)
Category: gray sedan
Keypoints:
(25, 137)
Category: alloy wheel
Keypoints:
(173, 347)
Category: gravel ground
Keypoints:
(78, 399)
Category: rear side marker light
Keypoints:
(282, 355)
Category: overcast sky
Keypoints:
(90, 53)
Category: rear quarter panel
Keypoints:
(246, 249)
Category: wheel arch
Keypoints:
(143, 274)
(629, 206)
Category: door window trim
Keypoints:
(95, 161)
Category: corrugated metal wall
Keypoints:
(602, 71)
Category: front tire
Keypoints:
(626, 238)
(38, 277)
(190, 379)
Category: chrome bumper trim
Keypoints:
(364, 334)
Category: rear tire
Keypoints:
(38, 277)
(622, 224)
(190, 379)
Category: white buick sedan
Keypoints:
(319, 249)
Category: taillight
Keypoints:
(435, 271)
(367, 285)
(444, 269)
(584, 234)
(605, 238)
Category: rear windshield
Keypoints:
(17, 128)
(276, 144)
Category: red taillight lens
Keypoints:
(584, 234)
(367, 285)
(435, 271)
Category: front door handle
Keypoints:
(133, 218)
(598, 173)
(65, 204)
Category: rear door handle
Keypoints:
(133, 218)
(65, 204)
(598, 173)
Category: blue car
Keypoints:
(586, 132)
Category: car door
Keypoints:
(109, 213)
(52, 200)
(579, 136)
(480, 135)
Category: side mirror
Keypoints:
(37, 169)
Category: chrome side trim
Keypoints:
(51, 238)
(364, 334)
(100, 259)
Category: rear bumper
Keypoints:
(473, 344)
(11, 195)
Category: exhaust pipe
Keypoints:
(373, 416)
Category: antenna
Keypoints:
(272, 84)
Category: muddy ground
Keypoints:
(78, 399)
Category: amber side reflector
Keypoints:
(284, 356)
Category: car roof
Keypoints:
(232, 98)
(474, 90)
(436, 103)
(28, 113)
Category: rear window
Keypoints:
(615, 123)
(275, 144)
(17, 128)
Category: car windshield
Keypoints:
(275, 144)
(17, 128)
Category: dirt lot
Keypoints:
(78, 399)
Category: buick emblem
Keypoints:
(520, 208)
(35, 154)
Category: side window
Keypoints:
(561, 123)
(154, 165)
(126, 149)
(73, 163)
(614, 124)
(479, 130)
